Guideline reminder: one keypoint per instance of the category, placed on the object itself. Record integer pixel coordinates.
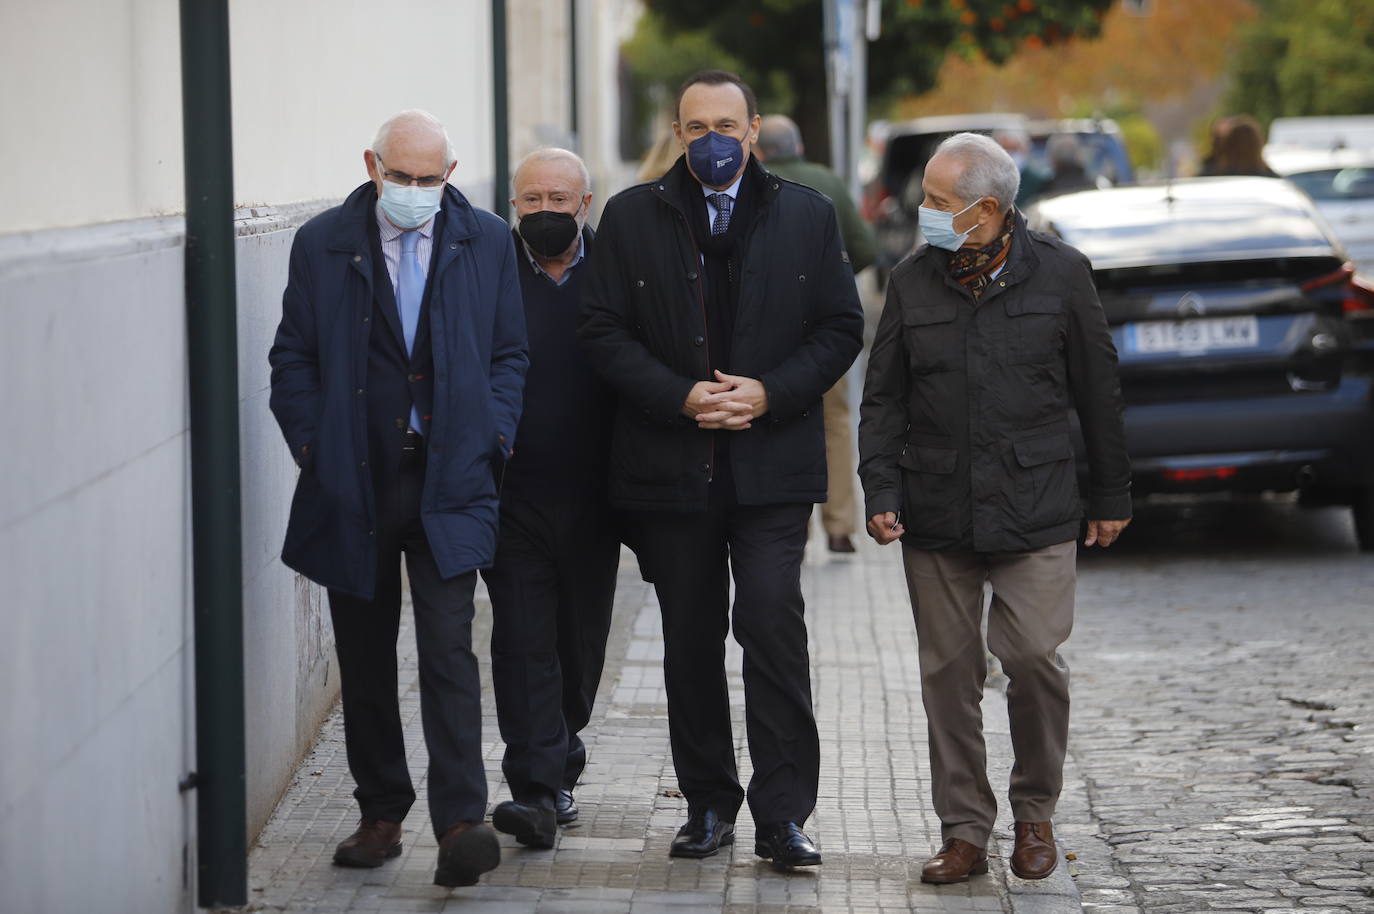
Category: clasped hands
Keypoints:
(729, 402)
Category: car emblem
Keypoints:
(1190, 305)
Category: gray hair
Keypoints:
(988, 170)
(553, 154)
(779, 137)
(411, 119)
(1064, 149)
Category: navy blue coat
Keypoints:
(319, 375)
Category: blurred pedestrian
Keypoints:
(1017, 143)
(1240, 149)
(780, 149)
(660, 157)
(1067, 166)
(553, 580)
(990, 333)
(721, 307)
(396, 379)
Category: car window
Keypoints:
(1100, 155)
(1355, 183)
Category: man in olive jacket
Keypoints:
(991, 333)
(720, 306)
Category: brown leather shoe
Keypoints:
(374, 843)
(466, 851)
(841, 544)
(1035, 855)
(956, 861)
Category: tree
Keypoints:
(1305, 57)
(778, 45)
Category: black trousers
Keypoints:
(365, 633)
(552, 587)
(690, 558)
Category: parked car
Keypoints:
(1246, 337)
(1341, 183)
(1353, 131)
(892, 196)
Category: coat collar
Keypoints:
(459, 222)
(673, 186)
(1021, 261)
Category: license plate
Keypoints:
(1199, 335)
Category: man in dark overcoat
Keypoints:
(396, 379)
(990, 336)
(721, 307)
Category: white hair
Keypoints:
(988, 170)
(553, 154)
(412, 118)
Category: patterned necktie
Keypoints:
(723, 204)
(410, 292)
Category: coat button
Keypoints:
(360, 390)
(692, 277)
(705, 468)
(372, 533)
(366, 319)
(699, 340)
(639, 283)
(363, 464)
(1002, 282)
(401, 424)
(801, 278)
(357, 257)
(453, 247)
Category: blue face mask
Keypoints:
(410, 206)
(715, 159)
(938, 227)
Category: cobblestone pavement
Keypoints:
(873, 822)
(1224, 714)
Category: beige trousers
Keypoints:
(837, 511)
(1031, 615)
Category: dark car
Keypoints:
(1245, 336)
(893, 195)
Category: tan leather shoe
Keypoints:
(956, 861)
(374, 843)
(1035, 855)
(466, 851)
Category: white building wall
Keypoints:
(96, 718)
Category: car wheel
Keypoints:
(1363, 507)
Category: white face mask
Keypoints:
(938, 227)
(410, 206)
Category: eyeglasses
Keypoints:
(400, 177)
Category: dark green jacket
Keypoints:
(965, 418)
(858, 237)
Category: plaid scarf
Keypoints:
(973, 267)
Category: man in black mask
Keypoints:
(553, 580)
(721, 307)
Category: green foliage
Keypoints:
(1305, 57)
(776, 45)
(1143, 144)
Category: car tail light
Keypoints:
(1357, 296)
(1196, 475)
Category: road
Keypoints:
(1223, 725)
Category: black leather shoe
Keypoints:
(785, 845)
(565, 806)
(466, 851)
(532, 825)
(703, 835)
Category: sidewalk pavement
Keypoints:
(873, 822)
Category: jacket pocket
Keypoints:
(1035, 331)
(931, 336)
(1047, 483)
(930, 491)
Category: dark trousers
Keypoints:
(365, 633)
(690, 558)
(552, 586)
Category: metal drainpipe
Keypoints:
(212, 358)
(573, 125)
(500, 93)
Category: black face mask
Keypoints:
(548, 233)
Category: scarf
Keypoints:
(973, 267)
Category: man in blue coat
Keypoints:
(397, 375)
